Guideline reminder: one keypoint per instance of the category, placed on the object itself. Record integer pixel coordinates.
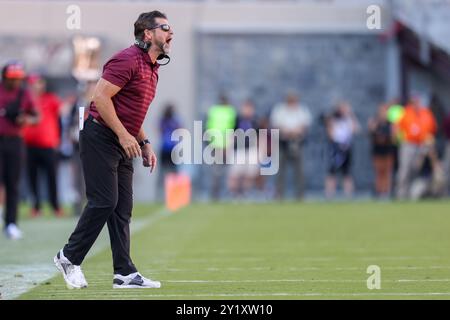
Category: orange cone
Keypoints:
(178, 191)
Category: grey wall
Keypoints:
(323, 68)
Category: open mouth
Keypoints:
(168, 41)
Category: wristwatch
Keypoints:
(144, 142)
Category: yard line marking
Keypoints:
(288, 280)
(424, 280)
(303, 280)
(257, 281)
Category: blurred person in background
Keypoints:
(83, 100)
(168, 123)
(382, 136)
(341, 126)
(42, 140)
(265, 153)
(446, 159)
(394, 114)
(242, 174)
(418, 127)
(428, 176)
(16, 110)
(220, 117)
(293, 120)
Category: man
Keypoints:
(293, 120)
(418, 127)
(16, 110)
(168, 123)
(42, 141)
(111, 138)
(242, 174)
(341, 126)
(220, 118)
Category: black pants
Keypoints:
(11, 156)
(109, 176)
(45, 159)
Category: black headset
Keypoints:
(145, 46)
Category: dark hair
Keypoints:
(146, 20)
(169, 111)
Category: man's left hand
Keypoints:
(148, 157)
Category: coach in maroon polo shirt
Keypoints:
(112, 136)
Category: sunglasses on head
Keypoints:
(163, 27)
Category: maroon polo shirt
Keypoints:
(132, 70)
(8, 128)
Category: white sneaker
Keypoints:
(72, 274)
(134, 280)
(13, 232)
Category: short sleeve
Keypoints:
(119, 70)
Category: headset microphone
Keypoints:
(163, 56)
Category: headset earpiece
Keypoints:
(142, 44)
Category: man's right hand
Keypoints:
(130, 145)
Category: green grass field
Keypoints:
(257, 251)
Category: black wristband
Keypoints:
(144, 142)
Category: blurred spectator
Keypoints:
(83, 100)
(16, 109)
(341, 127)
(429, 179)
(42, 140)
(293, 120)
(446, 160)
(394, 114)
(382, 136)
(243, 173)
(264, 152)
(168, 123)
(221, 117)
(417, 127)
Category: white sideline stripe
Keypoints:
(31, 275)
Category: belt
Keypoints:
(90, 117)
